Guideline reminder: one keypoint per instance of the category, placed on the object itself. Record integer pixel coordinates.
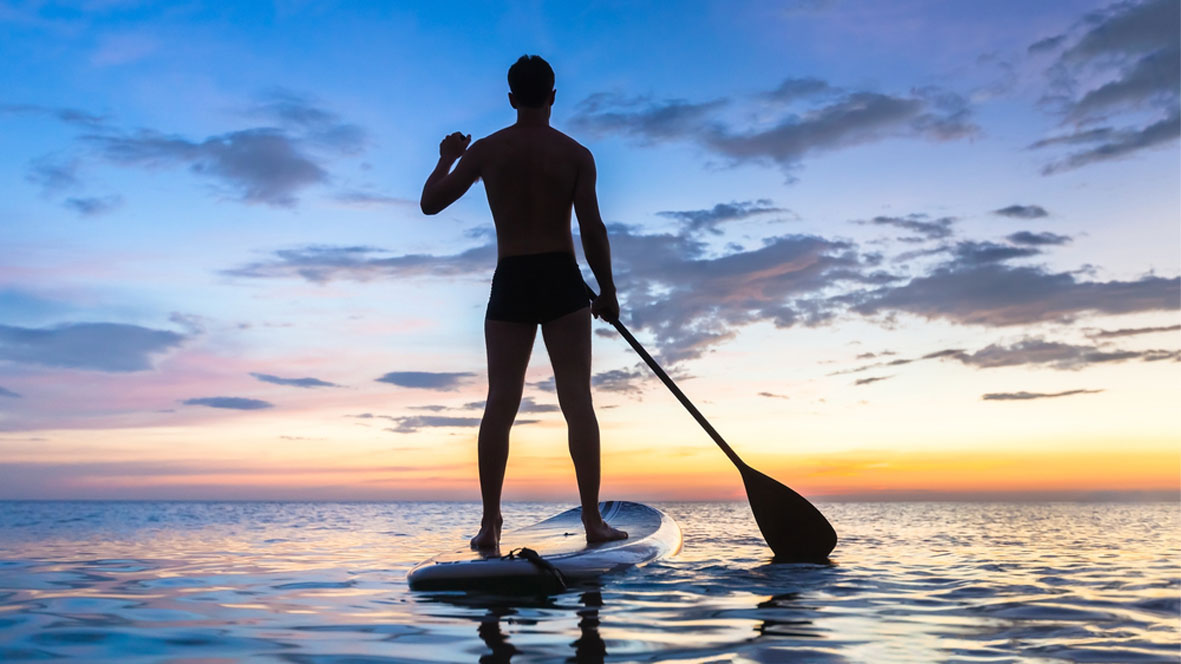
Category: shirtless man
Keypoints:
(533, 175)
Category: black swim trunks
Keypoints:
(536, 288)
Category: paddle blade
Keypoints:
(794, 529)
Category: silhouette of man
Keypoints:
(533, 175)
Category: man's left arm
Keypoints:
(444, 186)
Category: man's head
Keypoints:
(531, 81)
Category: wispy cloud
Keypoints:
(267, 164)
(230, 403)
(322, 263)
(54, 174)
(1056, 355)
(809, 122)
(90, 206)
(1029, 352)
(293, 382)
(427, 380)
(1022, 212)
(996, 294)
(63, 114)
(114, 347)
(262, 165)
(1025, 396)
(925, 227)
(365, 199)
(528, 405)
(1127, 61)
(872, 379)
(710, 220)
(1032, 239)
(5, 392)
(414, 423)
(1132, 331)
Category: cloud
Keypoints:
(1055, 355)
(1131, 331)
(970, 253)
(426, 380)
(528, 405)
(1030, 352)
(1120, 143)
(935, 229)
(825, 123)
(1024, 396)
(53, 174)
(364, 199)
(311, 122)
(262, 165)
(231, 403)
(4, 392)
(1037, 239)
(62, 114)
(624, 381)
(994, 294)
(772, 395)
(266, 164)
(872, 379)
(94, 205)
(322, 263)
(1022, 211)
(293, 382)
(1128, 61)
(1047, 44)
(690, 300)
(413, 423)
(792, 89)
(709, 220)
(114, 347)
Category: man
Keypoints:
(533, 175)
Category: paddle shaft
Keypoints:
(668, 382)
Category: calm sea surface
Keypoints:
(324, 583)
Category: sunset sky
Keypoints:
(891, 250)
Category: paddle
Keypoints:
(793, 527)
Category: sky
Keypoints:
(893, 251)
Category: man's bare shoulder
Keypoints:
(573, 145)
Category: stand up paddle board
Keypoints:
(560, 543)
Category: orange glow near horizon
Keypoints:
(540, 470)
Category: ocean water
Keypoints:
(324, 583)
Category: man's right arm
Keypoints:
(594, 237)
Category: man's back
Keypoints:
(530, 174)
(534, 175)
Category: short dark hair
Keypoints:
(531, 79)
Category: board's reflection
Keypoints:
(502, 611)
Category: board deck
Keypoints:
(561, 541)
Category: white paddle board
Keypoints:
(560, 541)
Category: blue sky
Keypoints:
(973, 205)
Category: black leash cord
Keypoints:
(544, 565)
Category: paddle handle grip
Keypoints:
(672, 387)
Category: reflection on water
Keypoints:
(324, 583)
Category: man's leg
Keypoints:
(508, 346)
(568, 341)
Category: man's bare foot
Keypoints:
(601, 532)
(489, 535)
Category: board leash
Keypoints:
(544, 565)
